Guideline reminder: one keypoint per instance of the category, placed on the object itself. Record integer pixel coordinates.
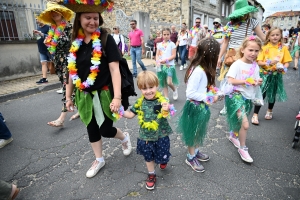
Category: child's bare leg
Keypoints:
(191, 150)
(170, 83)
(296, 59)
(150, 166)
(243, 131)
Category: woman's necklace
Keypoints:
(229, 28)
(95, 60)
(164, 45)
(152, 125)
(53, 34)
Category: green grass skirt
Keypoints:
(233, 104)
(193, 123)
(296, 48)
(163, 75)
(273, 86)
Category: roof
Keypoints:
(285, 14)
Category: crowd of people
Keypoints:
(87, 57)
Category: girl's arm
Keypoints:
(223, 50)
(116, 81)
(259, 33)
(128, 114)
(69, 92)
(234, 81)
(193, 85)
(156, 55)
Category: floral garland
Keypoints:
(153, 125)
(220, 29)
(230, 28)
(272, 69)
(104, 3)
(53, 35)
(192, 32)
(95, 60)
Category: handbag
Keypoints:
(52, 68)
(230, 56)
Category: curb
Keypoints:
(31, 91)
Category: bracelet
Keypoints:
(117, 98)
(67, 100)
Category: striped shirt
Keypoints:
(238, 35)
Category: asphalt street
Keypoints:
(50, 163)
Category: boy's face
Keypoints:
(149, 92)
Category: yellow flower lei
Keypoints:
(153, 125)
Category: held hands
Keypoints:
(165, 106)
(115, 105)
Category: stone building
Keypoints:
(285, 19)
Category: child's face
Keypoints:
(149, 92)
(250, 52)
(275, 36)
(166, 35)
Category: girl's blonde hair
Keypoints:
(269, 33)
(147, 79)
(245, 42)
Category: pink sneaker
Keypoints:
(245, 155)
(235, 141)
(298, 116)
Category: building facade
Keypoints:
(285, 19)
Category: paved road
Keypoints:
(50, 163)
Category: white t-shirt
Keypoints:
(285, 33)
(117, 40)
(166, 52)
(183, 38)
(197, 85)
(197, 35)
(240, 70)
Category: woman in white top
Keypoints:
(119, 39)
(182, 43)
(295, 51)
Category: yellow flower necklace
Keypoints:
(95, 60)
(153, 125)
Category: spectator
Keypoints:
(285, 33)
(41, 32)
(174, 38)
(195, 35)
(206, 31)
(291, 31)
(8, 191)
(296, 30)
(119, 39)
(157, 40)
(182, 44)
(136, 47)
(217, 32)
(266, 28)
(150, 42)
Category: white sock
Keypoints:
(152, 172)
(100, 159)
(125, 139)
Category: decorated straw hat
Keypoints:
(87, 5)
(45, 16)
(242, 8)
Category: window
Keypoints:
(226, 10)
(214, 2)
(290, 18)
(223, 9)
(8, 25)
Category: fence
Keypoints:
(17, 19)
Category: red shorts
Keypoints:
(192, 52)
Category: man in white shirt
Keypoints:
(196, 33)
(285, 33)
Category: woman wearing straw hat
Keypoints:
(58, 41)
(91, 70)
(239, 26)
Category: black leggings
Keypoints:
(106, 130)
(270, 107)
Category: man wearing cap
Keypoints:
(217, 32)
(136, 47)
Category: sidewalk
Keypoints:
(21, 87)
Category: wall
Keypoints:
(19, 59)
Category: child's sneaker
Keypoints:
(195, 164)
(126, 146)
(185, 66)
(96, 166)
(181, 68)
(175, 94)
(163, 166)
(223, 111)
(202, 157)
(245, 155)
(150, 182)
(4, 142)
(235, 141)
(42, 80)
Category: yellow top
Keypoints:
(272, 52)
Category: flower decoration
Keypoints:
(119, 114)
(230, 28)
(53, 35)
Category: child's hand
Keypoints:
(163, 61)
(216, 97)
(273, 62)
(259, 81)
(165, 106)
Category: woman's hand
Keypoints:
(219, 63)
(115, 105)
(70, 105)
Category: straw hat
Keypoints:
(241, 8)
(45, 16)
(88, 6)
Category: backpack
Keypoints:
(127, 83)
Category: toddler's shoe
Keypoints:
(181, 68)
(150, 182)
(96, 166)
(163, 166)
(194, 164)
(126, 146)
(202, 157)
(223, 111)
(175, 94)
(235, 141)
(245, 154)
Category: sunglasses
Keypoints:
(198, 22)
(215, 23)
(205, 27)
(132, 24)
(114, 28)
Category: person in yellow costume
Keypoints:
(273, 60)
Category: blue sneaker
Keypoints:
(195, 164)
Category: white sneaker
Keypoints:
(175, 94)
(3, 142)
(60, 91)
(223, 111)
(185, 66)
(96, 166)
(181, 68)
(126, 146)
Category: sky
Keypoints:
(273, 6)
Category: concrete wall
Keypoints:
(19, 59)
